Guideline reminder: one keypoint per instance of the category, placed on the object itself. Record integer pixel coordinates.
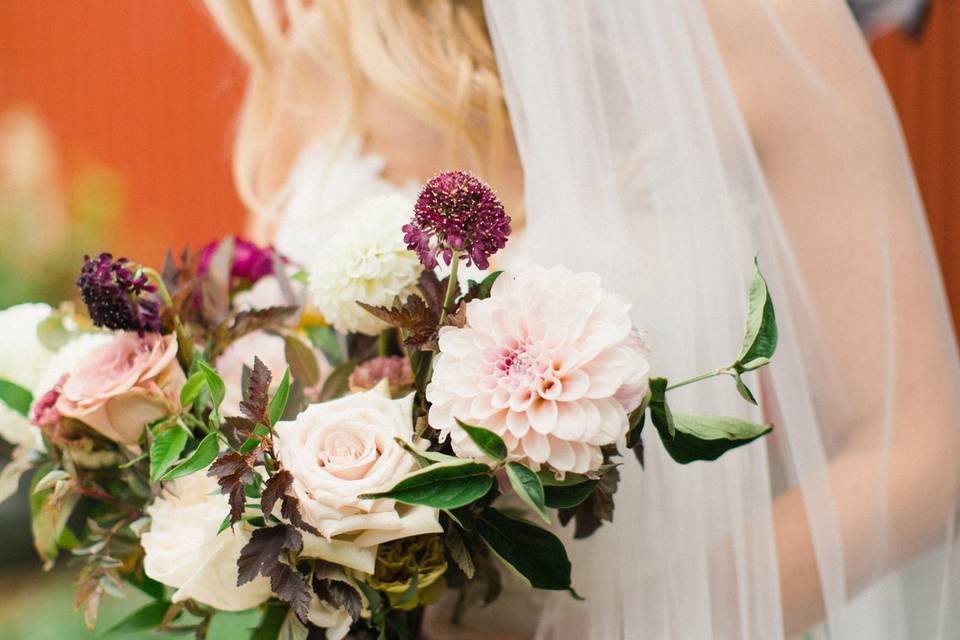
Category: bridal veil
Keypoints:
(664, 144)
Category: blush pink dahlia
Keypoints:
(550, 361)
(457, 212)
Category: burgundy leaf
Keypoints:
(291, 587)
(339, 594)
(233, 471)
(237, 429)
(261, 555)
(258, 393)
(278, 487)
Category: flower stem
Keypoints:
(703, 376)
(383, 343)
(451, 285)
(161, 286)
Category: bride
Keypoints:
(663, 144)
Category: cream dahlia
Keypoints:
(366, 261)
(550, 361)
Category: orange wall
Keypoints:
(145, 87)
(924, 78)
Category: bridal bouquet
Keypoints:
(339, 444)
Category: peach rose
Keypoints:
(123, 385)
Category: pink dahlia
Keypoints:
(456, 211)
(550, 361)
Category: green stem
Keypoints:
(383, 344)
(703, 376)
(161, 286)
(451, 285)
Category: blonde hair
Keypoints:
(431, 57)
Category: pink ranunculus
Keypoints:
(550, 361)
(250, 261)
(123, 385)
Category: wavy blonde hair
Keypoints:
(431, 57)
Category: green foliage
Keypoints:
(527, 485)
(302, 360)
(487, 441)
(278, 403)
(15, 397)
(200, 459)
(533, 553)
(760, 338)
(214, 383)
(568, 496)
(446, 485)
(146, 617)
(192, 388)
(166, 449)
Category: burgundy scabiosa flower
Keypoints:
(250, 262)
(116, 297)
(456, 211)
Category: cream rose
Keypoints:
(124, 384)
(339, 450)
(183, 550)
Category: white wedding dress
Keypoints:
(638, 165)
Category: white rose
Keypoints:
(339, 450)
(365, 261)
(550, 362)
(23, 358)
(183, 550)
(269, 347)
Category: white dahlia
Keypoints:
(365, 261)
(550, 361)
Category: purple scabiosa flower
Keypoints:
(115, 297)
(456, 211)
(250, 262)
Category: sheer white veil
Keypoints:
(665, 143)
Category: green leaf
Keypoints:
(146, 617)
(146, 584)
(488, 442)
(253, 442)
(200, 459)
(192, 389)
(481, 290)
(636, 420)
(533, 553)
(425, 458)
(708, 437)
(446, 485)
(325, 339)
(568, 496)
(302, 360)
(760, 337)
(659, 410)
(279, 400)
(15, 397)
(166, 448)
(214, 383)
(270, 623)
(337, 383)
(744, 390)
(527, 485)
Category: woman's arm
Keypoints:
(828, 143)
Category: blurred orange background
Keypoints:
(150, 90)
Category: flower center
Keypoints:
(525, 369)
(348, 452)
